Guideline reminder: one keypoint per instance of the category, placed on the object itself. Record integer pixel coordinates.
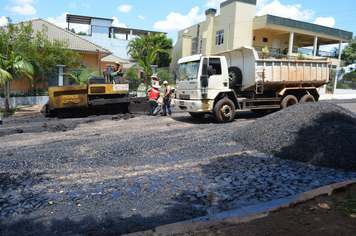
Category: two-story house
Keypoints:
(237, 26)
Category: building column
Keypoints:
(291, 39)
(338, 67)
(60, 77)
(315, 45)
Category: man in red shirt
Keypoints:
(153, 99)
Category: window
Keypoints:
(216, 64)
(254, 38)
(219, 37)
(188, 70)
(265, 40)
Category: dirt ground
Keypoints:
(324, 215)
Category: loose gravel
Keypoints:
(115, 175)
(321, 134)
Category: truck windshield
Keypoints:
(189, 70)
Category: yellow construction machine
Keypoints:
(97, 96)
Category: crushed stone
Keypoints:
(321, 134)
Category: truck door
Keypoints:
(216, 80)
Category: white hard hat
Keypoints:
(165, 82)
(154, 76)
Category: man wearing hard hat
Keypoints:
(166, 106)
(153, 92)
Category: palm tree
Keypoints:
(12, 66)
(163, 55)
(81, 75)
(146, 49)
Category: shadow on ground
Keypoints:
(111, 222)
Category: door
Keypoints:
(276, 46)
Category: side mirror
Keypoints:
(207, 70)
(210, 70)
(205, 67)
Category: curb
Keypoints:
(192, 225)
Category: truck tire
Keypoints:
(45, 110)
(307, 98)
(235, 77)
(289, 100)
(197, 115)
(224, 111)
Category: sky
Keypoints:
(172, 16)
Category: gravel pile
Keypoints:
(321, 134)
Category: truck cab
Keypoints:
(200, 78)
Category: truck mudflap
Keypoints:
(204, 106)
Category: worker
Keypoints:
(153, 92)
(116, 71)
(166, 106)
(154, 79)
(118, 67)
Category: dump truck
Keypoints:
(97, 96)
(238, 79)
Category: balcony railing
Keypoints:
(319, 53)
(276, 53)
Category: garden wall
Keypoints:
(14, 101)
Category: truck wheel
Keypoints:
(224, 111)
(45, 110)
(197, 115)
(307, 98)
(235, 77)
(289, 101)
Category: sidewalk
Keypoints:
(242, 215)
(28, 109)
(337, 96)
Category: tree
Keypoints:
(43, 54)
(349, 53)
(146, 49)
(132, 76)
(82, 33)
(163, 75)
(12, 65)
(46, 55)
(80, 75)
(348, 80)
(163, 58)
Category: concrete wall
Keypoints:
(345, 91)
(242, 23)
(14, 101)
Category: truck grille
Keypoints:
(184, 96)
(97, 90)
